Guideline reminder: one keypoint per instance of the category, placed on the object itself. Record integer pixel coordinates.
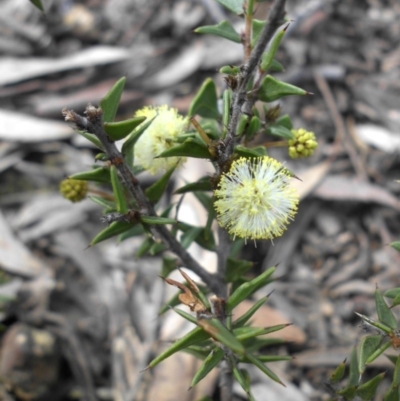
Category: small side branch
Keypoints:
(93, 124)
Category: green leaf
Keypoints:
(280, 131)
(157, 220)
(205, 101)
(249, 288)
(204, 239)
(185, 315)
(114, 229)
(267, 358)
(246, 152)
(155, 191)
(392, 293)
(392, 394)
(348, 392)
(272, 89)
(226, 109)
(244, 333)
(169, 265)
(189, 236)
(260, 365)
(396, 300)
(235, 268)
(203, 184)
(118, 191)
(236, 6)
(276, 66)
(98, 174)
(133, 137)
(144, 247)
(38, 4)
(385, 315)
(135, 231)
(106, 203)
(212, 360)
(241, 377)
(121, 129)
(285, 121)
(109, 104)
(193, 337)
(157, 248)
(354, 374)
(395, 245)
(220, 333)
(231, 70)
(255, 344)
(373, 323)
(367, 390)
(242, 320)
(257, 26)
(338, 373)
(92, 138)
(268, 56)
(253, 128)
(190, 148)
(368, 346)
(223, 29)
(396, 374)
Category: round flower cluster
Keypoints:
(303, 144)
(73, 190)
(160, 136)
(254, 199)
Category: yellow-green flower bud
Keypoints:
(73, 190)
(303, 144)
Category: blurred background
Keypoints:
(82, 323)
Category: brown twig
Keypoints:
(241, 103)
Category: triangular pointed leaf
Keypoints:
(366, 391)
(127, 147)
(242, 320)
(155, 191)
(235, 268)
(193, 337)
(203, 184)
(212, 360)
(395, 245)
(190, 148)
(276, 66)
(260, 365)
(114, 229)
(354, 374)
(268, 56)
(38, 4)
(385, 315)
(272, 89)
(205, 101)
(157, 220)
(246, 152)
(249, 288)
(118, 191)
(109, 104)
(392, 394)
(223, 29)
(348, 392)
(257, 26)
(92, 138)
(98, 174)
(368, 346)
(285, 121)
(236, 6)
(220, 333)
(280, 131)
(121, 129)
(338, 373)
(392, 293)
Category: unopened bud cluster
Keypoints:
(73, 190)
(303, 144)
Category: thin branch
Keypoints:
(274, 20)
(94, 125)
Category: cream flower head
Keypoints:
(254, 199)
(160, 136)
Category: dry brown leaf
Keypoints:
(338, 187)
(187, 298)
